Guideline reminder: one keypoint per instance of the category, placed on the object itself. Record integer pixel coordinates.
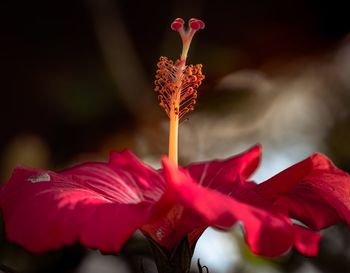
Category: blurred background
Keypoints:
(77, 82)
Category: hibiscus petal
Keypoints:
(124, 174)
(231, 171)
(98, 204)
(313, 191)
(177, 220)
(306, 241)
(267, 233)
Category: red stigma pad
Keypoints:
(177, 24)
(196, 24)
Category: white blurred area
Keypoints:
(95, 262)
(217, 248)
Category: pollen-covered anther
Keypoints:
(193, 78)
(171, 90)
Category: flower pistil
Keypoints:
(176, 83)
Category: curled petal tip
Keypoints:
(257, 148)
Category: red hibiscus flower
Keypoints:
(102, 204)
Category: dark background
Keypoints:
(77, 80)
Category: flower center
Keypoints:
(176, 83)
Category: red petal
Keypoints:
(223, 175)
(285, 180)
(306, 241)
(267, 233)
(313, 191)
(179, 221)
(98, 204)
